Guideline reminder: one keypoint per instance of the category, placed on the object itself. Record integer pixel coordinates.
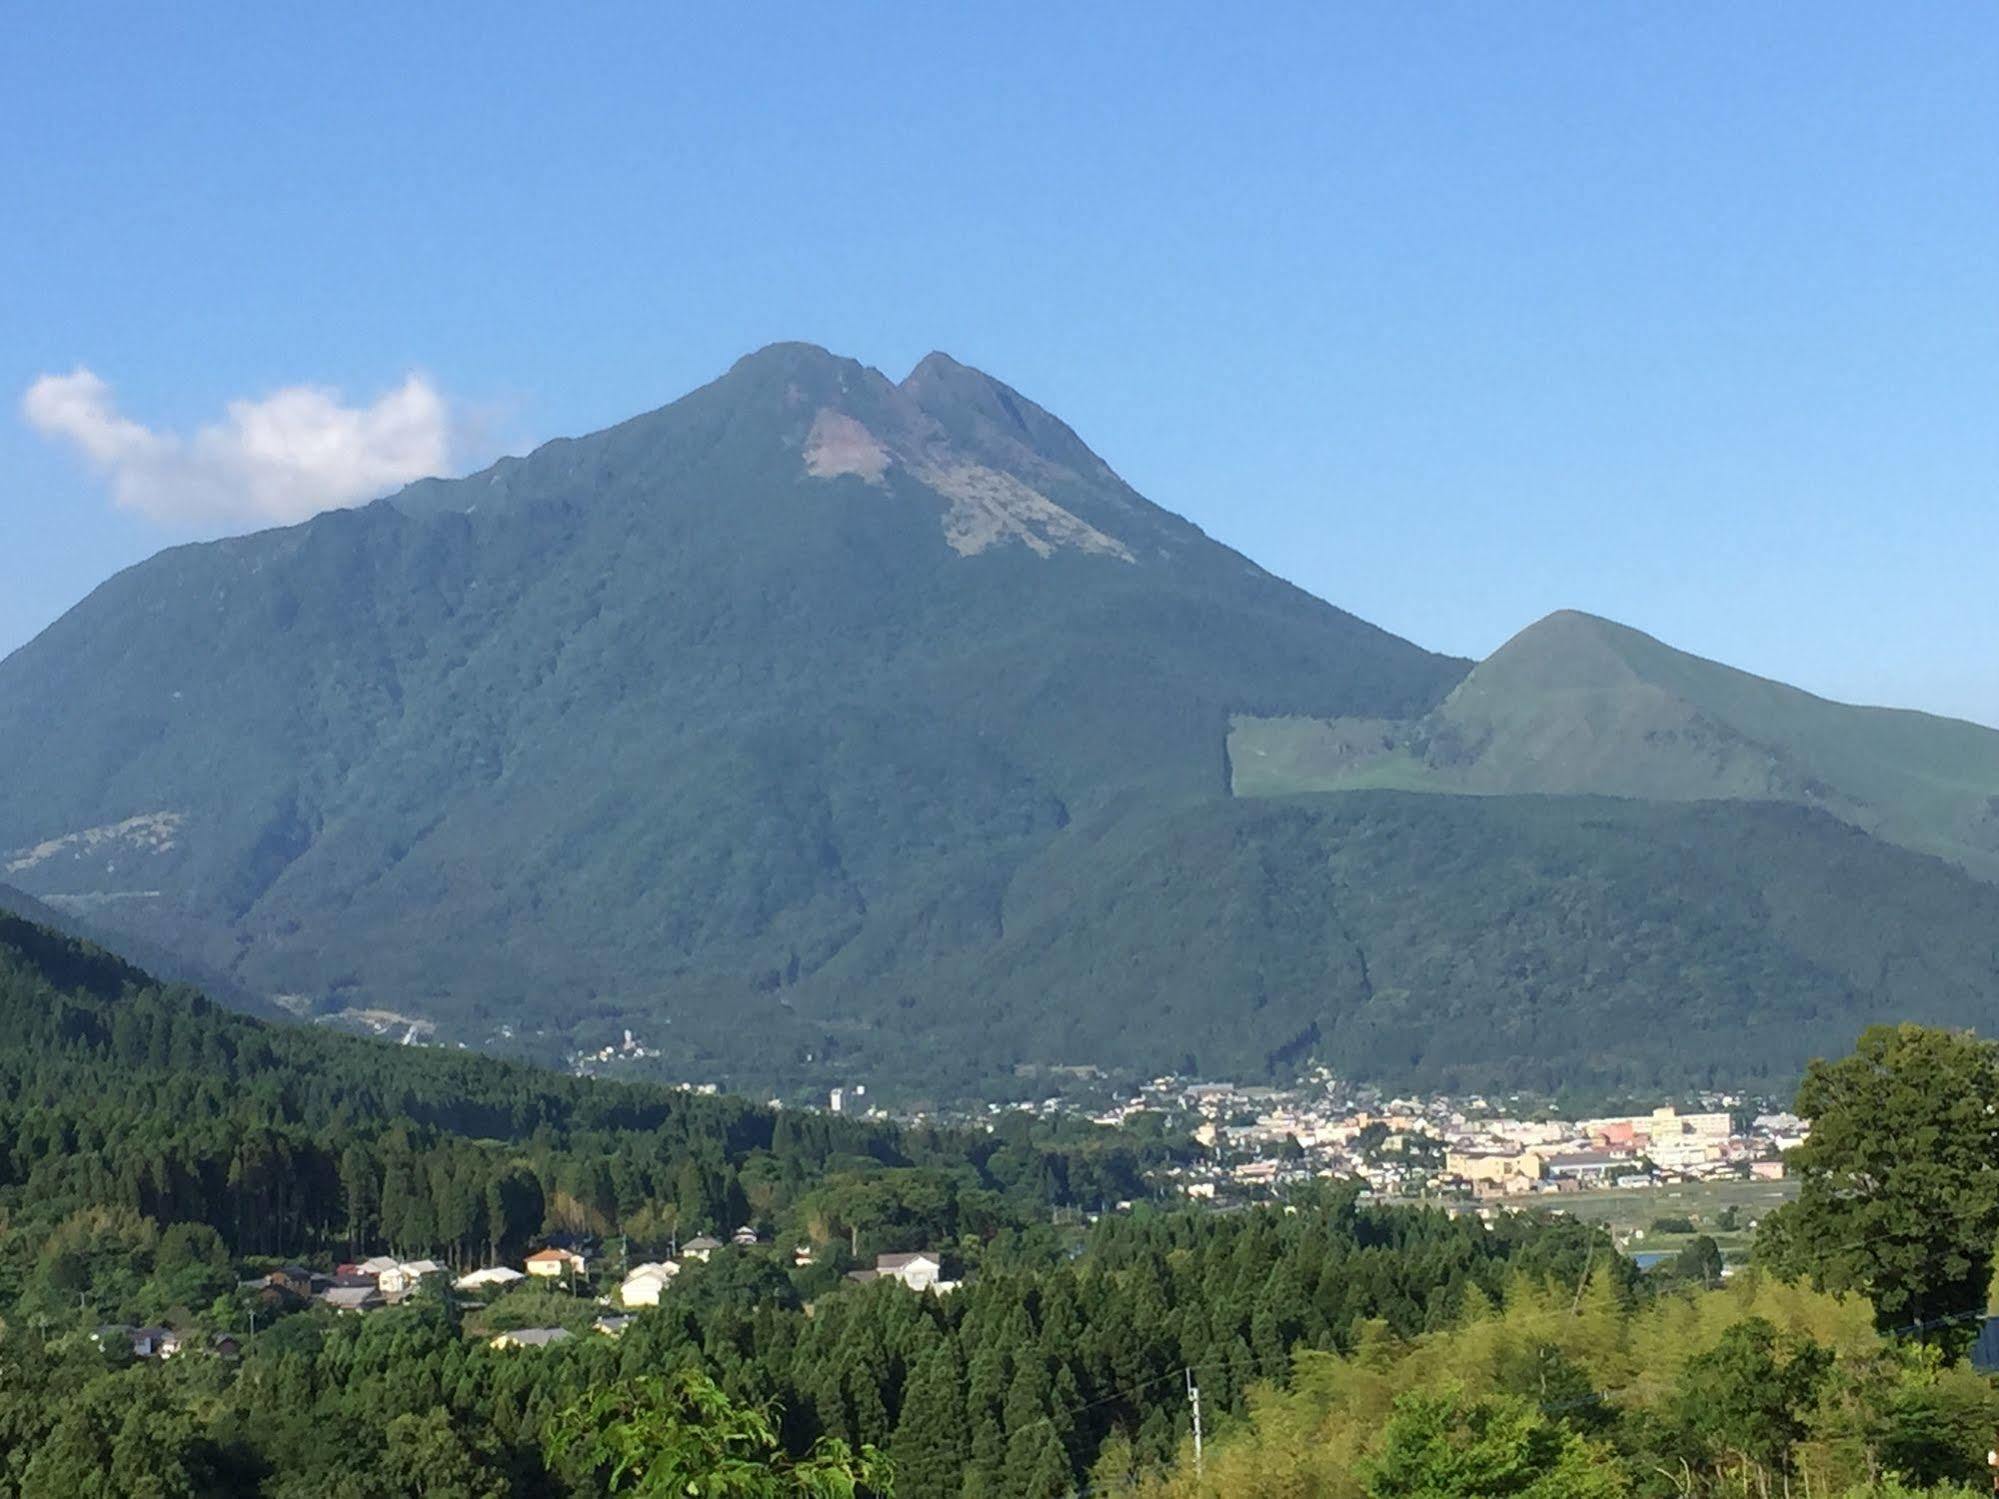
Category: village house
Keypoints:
(492, 1275)
(554, 1263)
(530, 1337)
(354, 1298)
(286, 1288)
(401, 1278)
(142, 1342)
(699, 1247)
(642, 1286)
(921, 1271)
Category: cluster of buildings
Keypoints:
(1509, 1157)
(1257, 1139)
(631, 1049)
(160, 1342)
(386, 1280)
(381, 1281)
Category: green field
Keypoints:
(1629, 1213)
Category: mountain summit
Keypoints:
(820, 727)
(791, 680)
(1575, 704)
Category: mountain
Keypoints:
(656, 722)
(1580, 705)
(820, 728)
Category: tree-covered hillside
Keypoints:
(119, 1096)
(1445, 942)
(155, 1149)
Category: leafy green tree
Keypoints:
(680, 1434)
(426, 1457)
(127, 1437)
(1699, 1263)
(1746, 1402)
(1899, 1195)
(1444, 1446)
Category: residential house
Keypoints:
(400, 1279)
(612, 1326)
(554, 1263)
(530, 1337)
(699, 1247)
(919, 1271)
(744, 1237)
(492, 1275)
(300, 1281)
(354, 1298)
(140, 1342)
(642, 1286)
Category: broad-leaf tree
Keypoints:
(1899, 1195)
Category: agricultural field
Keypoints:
(1631, 1213)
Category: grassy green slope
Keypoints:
(1577, 704)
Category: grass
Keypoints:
(1627, 1212)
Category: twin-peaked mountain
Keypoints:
(822, 726)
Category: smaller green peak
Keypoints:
(1566, 648)
(1571, 619)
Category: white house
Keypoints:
(699, 1247)
(919, 1271)
(643, 1285)
(400, 1279)
(494, 1275)
(530, 1337)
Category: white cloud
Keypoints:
(294, 453)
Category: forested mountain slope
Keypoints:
(149, 1142)
(660, 718)
(119, 1095)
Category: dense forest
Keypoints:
(1757, 1389)
(287, 1141)
(159, 1154)
(156, 1150)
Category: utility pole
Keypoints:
(1194, 1399)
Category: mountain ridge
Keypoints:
(817, 726)
(1577, 704)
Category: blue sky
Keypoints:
(1455, 315)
